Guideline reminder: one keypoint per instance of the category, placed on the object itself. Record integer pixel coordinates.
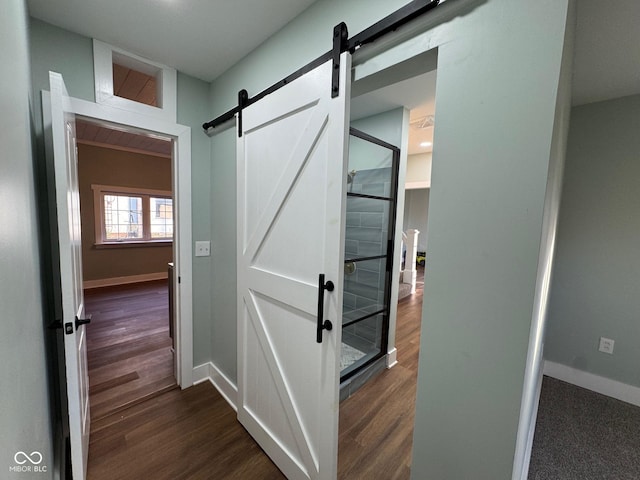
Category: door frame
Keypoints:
(181, 186)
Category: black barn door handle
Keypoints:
(322, 323)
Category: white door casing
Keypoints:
(63, 142)
(181, 159)
(292, 162)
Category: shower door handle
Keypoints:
(322, 323)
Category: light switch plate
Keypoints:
(203, 248)
(606, 345)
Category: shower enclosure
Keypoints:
(370, 228)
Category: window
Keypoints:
(161, 213)
(133, 83)
(122, 218)
(132, 215)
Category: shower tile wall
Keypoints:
(367, 222)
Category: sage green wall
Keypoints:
(386, 126)
(193, 96)
(306, 37)
(24, 408)
(55, 49)
(416, 212)
(223, 252)
(496, 95)
(498, 72)
(597, 276)
(535, 360)
(71, 55)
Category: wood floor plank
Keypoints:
(376, 423)
(128, 345)
(184, 434)
(114, 382)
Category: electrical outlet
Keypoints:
(203, 248)
(606, 345)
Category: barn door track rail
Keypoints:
(341, 44)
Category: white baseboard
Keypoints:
(201, 373)
(110, 282)
(605, 386)
(209, 372)
(392, 357)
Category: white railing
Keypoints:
(409, 274)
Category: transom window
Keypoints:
(129, 82)
(132, 215)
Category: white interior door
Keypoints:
(63, 144)
(292, 159)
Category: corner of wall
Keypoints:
(557, 155)
(209, 372)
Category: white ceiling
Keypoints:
(607, 50)
(111, 136)
(417, 94)
(203, 38)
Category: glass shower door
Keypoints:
(370, 228)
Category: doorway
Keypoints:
(181, 187)
(59, 116)
(126, 210)
(382, 406)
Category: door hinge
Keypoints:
(55, 324)
(340, 45)
(68, 328)
(179, 279)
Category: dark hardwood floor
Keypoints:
(376, 423)
(128, 345)
(194, 433)
(181, 434)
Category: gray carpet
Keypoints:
(582, 435)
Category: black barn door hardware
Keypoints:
(322, 323)
(243, 97)
(340, 42)
(388, 24)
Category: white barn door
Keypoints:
(63, 142)
(292, 159)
